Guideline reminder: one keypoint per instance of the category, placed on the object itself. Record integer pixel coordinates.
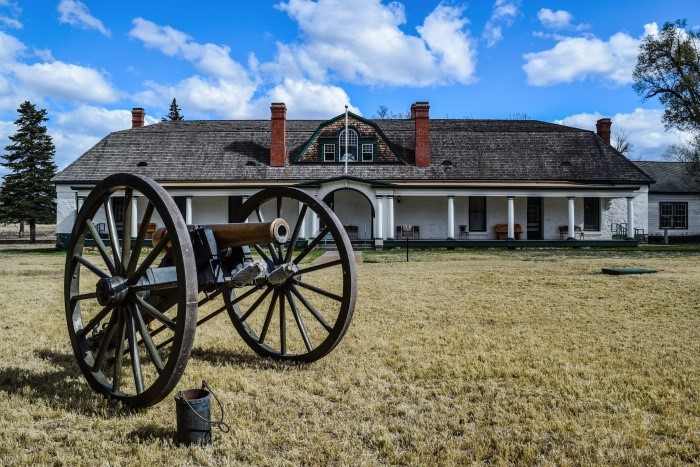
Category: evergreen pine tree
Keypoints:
(174, 114)
(27, 193)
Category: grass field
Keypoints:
(477, 357)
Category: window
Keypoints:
(591, 213)
(477, 213)
(328, 152)
(351, 145)
(367, 152)
(673, 215)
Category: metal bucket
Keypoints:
(193, 412)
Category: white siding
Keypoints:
(693, 214)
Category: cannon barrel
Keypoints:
(236, 235)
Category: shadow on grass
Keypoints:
(62, 387)
(251, 361)
(151, 432)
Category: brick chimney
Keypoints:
(138, 117)
(602, 128)
(420, 113)
(278, 145)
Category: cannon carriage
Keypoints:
(132, 302)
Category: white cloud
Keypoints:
(53, 79)
(503, 15)
(559, 19)
(371, 48)
(91, 120)
(211, 59)
(10, 47)
(305, 99)
(644, 127)
(579, 58)
(11, 22)
(199, 97)
(75, 13)
(66, 81)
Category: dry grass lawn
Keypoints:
(525, 357)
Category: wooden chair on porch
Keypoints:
(502, 229)
(564, 232)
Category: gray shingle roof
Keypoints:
(461, 150)
(672, 177)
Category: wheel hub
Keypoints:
(111, 290)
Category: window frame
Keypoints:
(674, 216)
(353, 142)
(326, 146)
(370, 152)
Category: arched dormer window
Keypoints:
(351, 145)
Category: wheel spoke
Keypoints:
(257, 303)
(262, 254)
(318, 267)
(283, 327)
(146, 338)
(311, 245)
(118, 353)
(268, 318)
(126, 228)
(295, 234)
(148, 261)
(311, 309)
(299, 321)
(154, 312)
(134, 353)
(83, 296)
(140, 237)
(97, 271)
(95, 321)
(104, 342)
(101, 247)
(318, 290)
(112, 229)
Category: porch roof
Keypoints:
(461, 150)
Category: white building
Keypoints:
(674, 198)
(448, 181)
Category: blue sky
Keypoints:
(88, 63)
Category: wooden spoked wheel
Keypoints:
(131, 309)
(304, 313)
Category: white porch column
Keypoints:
(188, 210)
(134, 216)
(630, 217)
(380, 217)
(571, 218)
(451, 217)
(390, 230)
(302, 228)
(243, 200)
(314, 224)
(511, 218)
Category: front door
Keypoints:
(534, 218)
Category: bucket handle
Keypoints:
(220, 424)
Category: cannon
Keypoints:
(132, 301)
